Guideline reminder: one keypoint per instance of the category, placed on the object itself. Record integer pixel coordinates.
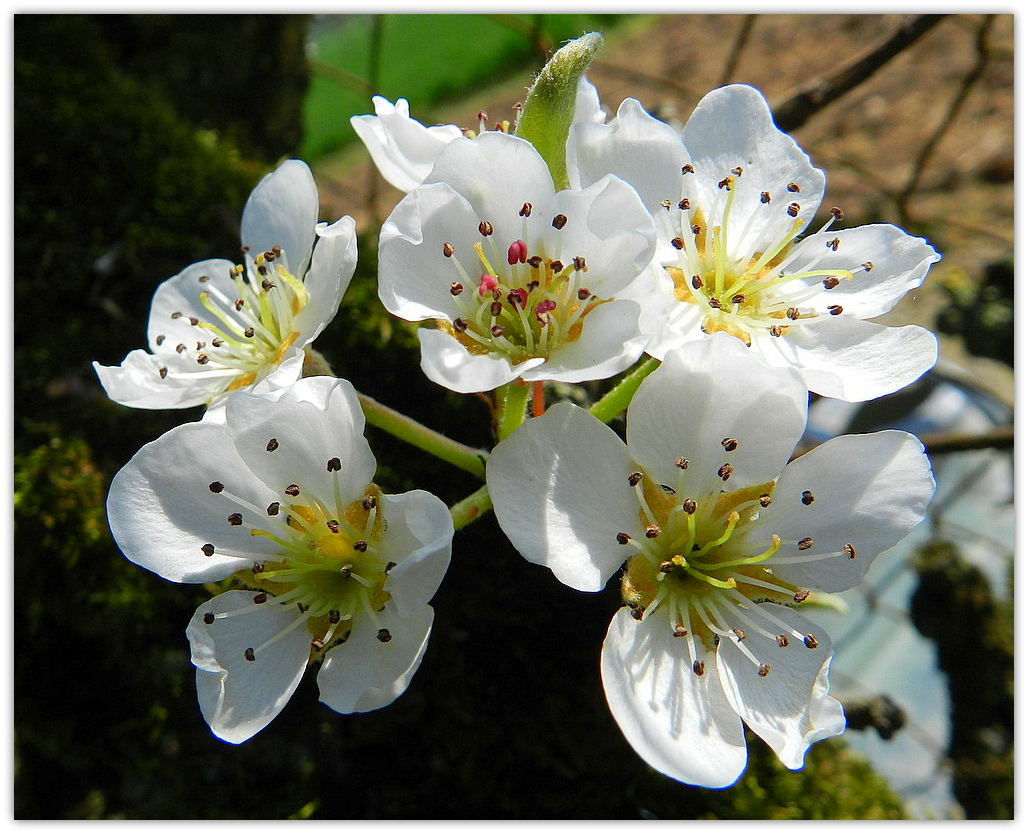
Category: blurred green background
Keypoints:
(137, 140)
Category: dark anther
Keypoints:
(765, 197)
(579, 263)
(637, 613)
(623, 538)
(261, 598)
(333, 525)
(682, 463)
(333, 616)
(696, 228)
(850, 551)
(369, 502)
(666, 205)
(180, 348)
(292, 490)
(560, 221)
(684, 204)
(792, 187)
(837, 213)
(634, 478)
(303, 607)
(698, 667)
(262, 269)
(160, 340)
(833, 244)
(176, 315)
(235, 519)
(835, 310)
(831, 282)
(689, 506)
(216, 486)
(267, 285)
(456, 288)
(208, 618)
(737, 171)
(272, 445)
(725, 472)
(783, 641)
(868, 266)
(730, 444)
(249, 655)
(485, 228)
(448, 249)
(360, 546)
(534, 262)
(383, 635)
(800, 596)
(726, 184)
(257, 568)
(805, 544)
(697, 282)
(652, 531)
(389, 566)
(810, 641)
(765, 500)
(738, 298)
(248, 332)
(715, 303)
(740, 635)
(239, 304)
(807, 498)
(526, 210)
(273, 508)
(460, 325)
(201, 345)
(792, 313)
(208, 549)
(584, 294)
(679, 630)
(776, 330)
(688, 169)
(163, 373)
(193, 320)
(496, 331)
(763, 669)
(334, 465)
(666, 566)
(678, 243)
(793, 209)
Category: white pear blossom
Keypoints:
(404, 150)
(281, 496)
(218, 327)
(521, 281)
(730, 195)
(722, 542)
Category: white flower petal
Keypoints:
(313, 421)
(414, 277)
(162, 511)
(854, 360)
(733, 127)
(634, 146)
(177, 299)
(497, 174)
(418, 537)
(239, 697)
(282, 211)
(403, 149)
(679, 722)
(899, 263)
(364, 673)
(446, 362)
(869, 491)
(790, 707)
(708, 392)
(587, 103)
(610, 342)
(559, 487)
(137, 383)
(332, 267)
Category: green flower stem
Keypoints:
(471, 508)
(616, 400)
(514, 397)
(550, 106)
(409, 430)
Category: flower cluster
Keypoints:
(530, 266)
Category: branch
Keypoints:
(818, 94)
